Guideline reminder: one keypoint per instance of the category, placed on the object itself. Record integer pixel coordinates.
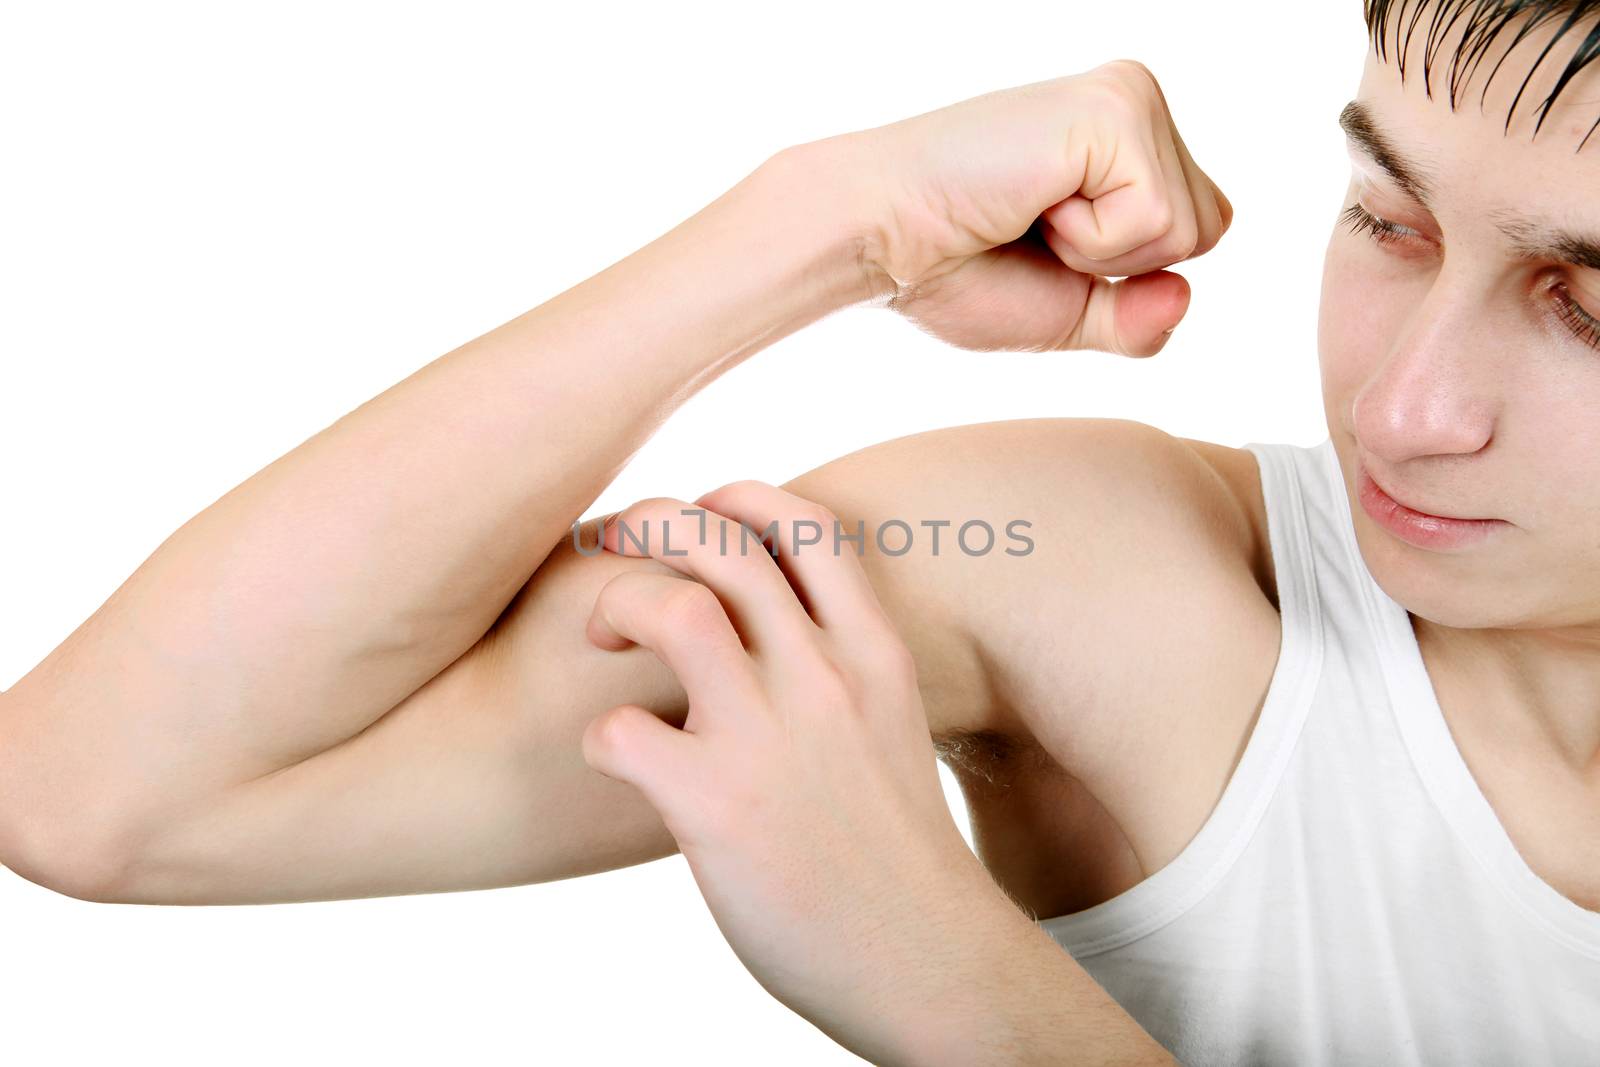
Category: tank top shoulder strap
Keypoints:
(1324, 529)
(1293, 491)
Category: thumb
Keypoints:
(633, 745)
(1133, 316)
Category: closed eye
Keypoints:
(1360, 220)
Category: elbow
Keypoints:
(84, 863)
(83, 866)
(56, 830)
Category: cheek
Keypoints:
(1557, 434)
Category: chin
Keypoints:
(1452, 591)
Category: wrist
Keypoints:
(781, 248)
(995, 988)
(836, 183)
(959, 1009)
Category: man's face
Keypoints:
(1461, 362)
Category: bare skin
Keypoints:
(443, 751)
(329, 684)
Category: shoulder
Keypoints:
(1135, 538)
(1063, 471)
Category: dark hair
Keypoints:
(1482, 22)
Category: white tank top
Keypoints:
(1353, 898)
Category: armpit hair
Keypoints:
(990, 757)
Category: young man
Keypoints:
(1296, 767)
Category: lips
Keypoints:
(1422, 512)
(1422, 529)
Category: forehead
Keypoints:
(1470, 148)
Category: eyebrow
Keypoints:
(1530, 238)
(1535, 241)
(1358, 125)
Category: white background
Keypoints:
(226, 225)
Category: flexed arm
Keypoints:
(317, 595)
(297, 658)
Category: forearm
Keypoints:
(309, 600)
(969, 979)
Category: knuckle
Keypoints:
(879, 657)
(1134, 74)
(609, 730)
(658, 505)
(1160, 217)
(693, 608)
(1103, 91)
(616, 588)
(739, 806)
(895, 660)
(651, 510)
(720, 496)
(1134, 66)
(1123, 106)
(1186, 241)
(830, 684)
(817, 513)
(734, 496)
(745, 486)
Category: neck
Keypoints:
(1537, 689)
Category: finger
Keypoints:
(824, 569)
(631, 744)
(1209, 226)
(1173, 220)
(1119, 209)
(1131, 317)
(1178, 243)
(1214, 212)
(685, 626)
(727, 558)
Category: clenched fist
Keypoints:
(1001, 221)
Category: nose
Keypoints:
(1434, 392)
